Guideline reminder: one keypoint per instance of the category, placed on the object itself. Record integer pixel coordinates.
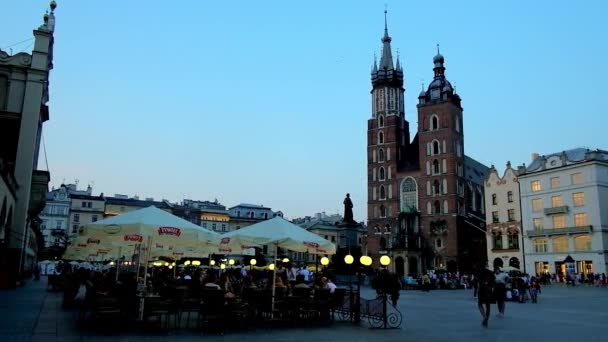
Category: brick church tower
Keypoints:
(387, 138)
(441, 156)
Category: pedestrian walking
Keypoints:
(485, 297)
(500, 291)
(534, 289)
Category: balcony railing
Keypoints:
(556, 210)
(559, 231)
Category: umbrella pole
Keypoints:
(118, 262)
(274, 272)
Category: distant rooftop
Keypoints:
(568, 157)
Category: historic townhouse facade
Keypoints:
(425, 196)
(24, 97)
(503, 219)
(564, 199)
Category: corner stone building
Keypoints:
(425, 196)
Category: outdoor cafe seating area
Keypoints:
(199, 300)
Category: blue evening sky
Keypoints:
(267, 101)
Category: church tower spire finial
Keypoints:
(386, 60)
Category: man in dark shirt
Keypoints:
(485, 295)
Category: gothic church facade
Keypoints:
(425, 196)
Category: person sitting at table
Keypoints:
(300, 282)
(328, 284)
(210, 282)
(226, 285)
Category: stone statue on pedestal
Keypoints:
(348, 210)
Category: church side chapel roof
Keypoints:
(475, 171)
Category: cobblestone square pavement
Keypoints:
(563, 314)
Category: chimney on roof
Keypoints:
(535, 156)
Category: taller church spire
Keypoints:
(386, 61)
(386, 73)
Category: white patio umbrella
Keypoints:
(279, 233)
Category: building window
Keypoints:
(381, 155)
(582, 243)
(74, 228)
(560, 244)
(3, 91)
(382, 211)
(436, 188)
(577, 178)
(513, 241)
(436, 167)
(554, 182)
(434, 122)
(94, 218)
(84, 204)
(510, 196)
(76, 217)
(559, 221)
(223, 227)
(493, 199)
(459, 170)
(511, 214)
(409, 195)
(538, 223)
(333, 238)
(497, 241)
(580, 219)
(381, 177)
(59, 225)
(238, 213)
(438, 243)
(204, 224)
(495, 217)
(382, 192)
(540, 245)
(213, 226)
(436, 147)
(535, 186)
(380, 137)
(381, 121)
(556, 201)
(579, 199)
(437, 207)
(537, 204)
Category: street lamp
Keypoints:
(324, 261)
(187, 263)
(385, 260)
(348, 259)
(271, 267)
(231, 262)
(196, 263)
(212, 263)
(222, 266)
(252, 263)
(364, 260)
(285, 260)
